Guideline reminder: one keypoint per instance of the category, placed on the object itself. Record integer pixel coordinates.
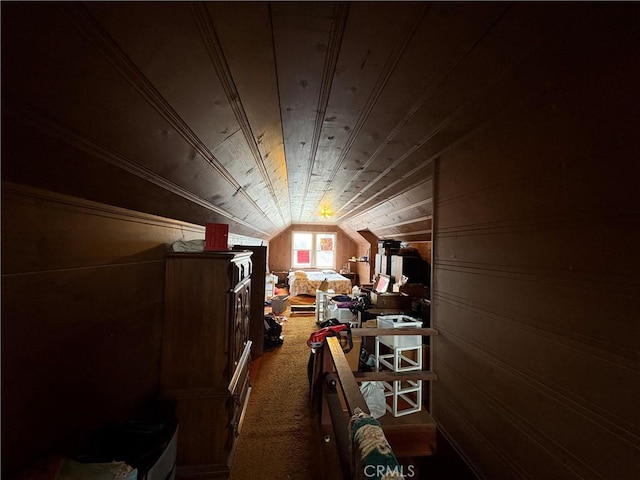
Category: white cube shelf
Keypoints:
(403, 398)
(400, 353)
(397, 361)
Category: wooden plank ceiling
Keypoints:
(255, 114)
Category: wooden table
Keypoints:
(283, 278)
(353, 276)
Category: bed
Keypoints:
(307, 282)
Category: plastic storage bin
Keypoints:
(399, 321)
(343, 315)
(279, 303)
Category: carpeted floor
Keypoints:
(279, 439)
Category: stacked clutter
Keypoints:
(146, 449)
(127, 450)
(342, 308)
(62, 468)
(272, 332)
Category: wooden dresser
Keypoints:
(258, 275)
(206, 353)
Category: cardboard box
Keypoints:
(395, 300)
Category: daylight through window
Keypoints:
(313, 250)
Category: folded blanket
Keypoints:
(377, 458)
(341, 298)
(350, 304)
(188, 246)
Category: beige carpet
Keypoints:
(279, 439)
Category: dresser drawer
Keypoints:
(240, 391)
(239, 388)
(240, 399)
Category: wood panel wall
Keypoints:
(280, 246)
(82, 294)
(536, 283)
(364, 270)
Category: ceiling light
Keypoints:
(326, 212)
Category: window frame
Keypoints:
(313, 253)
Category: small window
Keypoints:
(313, 250)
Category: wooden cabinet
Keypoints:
(283, 278)
(206, 352)
(353, 276)
(258, 286)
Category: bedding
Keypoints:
(307, 282)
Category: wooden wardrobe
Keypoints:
(258, 286)
(206, 354)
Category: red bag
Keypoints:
(317, 338)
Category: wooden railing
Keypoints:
(335, 392)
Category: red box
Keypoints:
(216, 236)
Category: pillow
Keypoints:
(300, 274)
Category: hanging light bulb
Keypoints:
(325, 212)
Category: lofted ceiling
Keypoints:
(260, 114)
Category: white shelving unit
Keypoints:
(270, 284)
(400, 353)
(323, 312)
(322, 298)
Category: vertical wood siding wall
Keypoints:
(280, 246)
(82, 295)
(536, 271)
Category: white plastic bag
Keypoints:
(373, 393)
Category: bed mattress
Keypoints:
(307, 282)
